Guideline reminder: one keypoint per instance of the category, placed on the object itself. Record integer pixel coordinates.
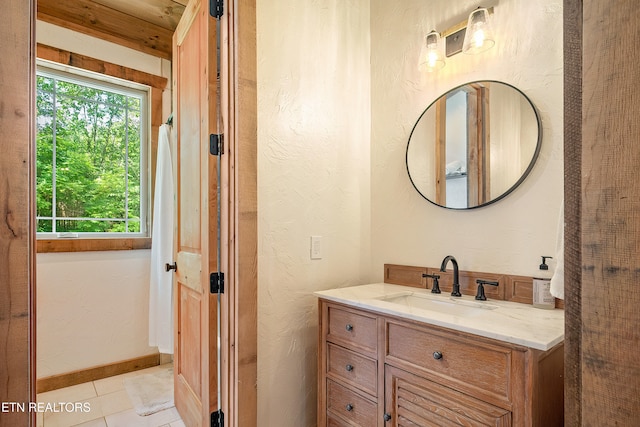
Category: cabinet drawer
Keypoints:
(465, 364)
(350, 367)
(333, 421)
(346, 404)
(353, 330)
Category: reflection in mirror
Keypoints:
(473, 145)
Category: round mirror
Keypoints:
(473, 145)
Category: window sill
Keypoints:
(85, 245)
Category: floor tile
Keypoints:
(131, 419)
(108, 403)
(66, 419)
(100, 422)
(75, 393)
(109, 385)
(113, 403)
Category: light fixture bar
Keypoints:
(454, 41)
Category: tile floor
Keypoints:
(109, 405)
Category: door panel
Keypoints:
(195, 358)
(415, 401)
(189, 312)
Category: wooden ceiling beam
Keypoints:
(93, 19)
(164, 13)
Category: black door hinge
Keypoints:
(216, 8)
(216, 144)
(216, 282)
(217, 419)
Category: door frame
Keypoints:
(239, 233)
(17, 233)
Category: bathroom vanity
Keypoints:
(392, 355)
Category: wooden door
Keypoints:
(195, 308)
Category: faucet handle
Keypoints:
(435, 289)
(480, 294)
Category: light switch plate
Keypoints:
(316, 247)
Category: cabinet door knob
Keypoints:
(437, 355)
(349, 407)
(387, 417)
(349, 327)
(349, 368)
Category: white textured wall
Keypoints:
(93, 307)
(313, 179)
(510, 235)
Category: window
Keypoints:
(91, 155)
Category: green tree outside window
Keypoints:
(90, 154)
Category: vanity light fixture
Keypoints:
(479, 36)
(431, 58)
(473, 35)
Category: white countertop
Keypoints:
(507, 321)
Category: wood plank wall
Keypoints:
(610, 229)
(17, 236)
(572, 208)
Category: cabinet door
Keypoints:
(413, 401)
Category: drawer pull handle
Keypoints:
(349, 327)
(437, 355)
(349, 407)
(349, 368)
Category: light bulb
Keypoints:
(479, 36)
(431, 57)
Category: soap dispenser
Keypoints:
(542, 297)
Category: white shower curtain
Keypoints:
(160, 292)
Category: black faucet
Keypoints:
(455, 292)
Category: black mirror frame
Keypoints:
(524, 174)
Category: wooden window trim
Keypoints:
(158, 84)
(98, 244)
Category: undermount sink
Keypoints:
(441, 304)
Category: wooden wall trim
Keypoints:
(572, 36)
(512, 288)
(66, 57)
(17, 201)
(80, 376)
(93, 19)
(85, 245)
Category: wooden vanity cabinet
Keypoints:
(349, 387)
(379, 370)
